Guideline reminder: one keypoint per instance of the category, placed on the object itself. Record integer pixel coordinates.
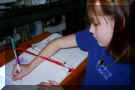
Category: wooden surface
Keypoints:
(8, 55)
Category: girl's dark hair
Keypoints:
(122, 45)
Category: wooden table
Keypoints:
(8, 55)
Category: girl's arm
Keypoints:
(62, 42)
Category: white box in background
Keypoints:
(2, 77)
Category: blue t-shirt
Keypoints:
(96, 74)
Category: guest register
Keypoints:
(70, 57)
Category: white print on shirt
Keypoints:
(103, 70)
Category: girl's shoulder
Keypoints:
(85, 40)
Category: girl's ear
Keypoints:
(124, 23)
(97, 3)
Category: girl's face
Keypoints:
(102, 29)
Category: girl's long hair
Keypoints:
(122, 45)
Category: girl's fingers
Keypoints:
(53, 82)
(44, 83)
(14, 73)
(19, 76)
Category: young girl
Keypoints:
(109, 42)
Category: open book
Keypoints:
(71, 57)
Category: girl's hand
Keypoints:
(51, 85)
(25, 70)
